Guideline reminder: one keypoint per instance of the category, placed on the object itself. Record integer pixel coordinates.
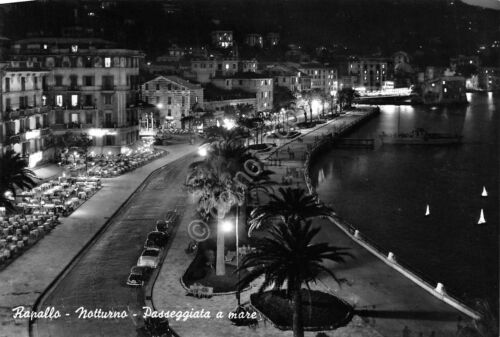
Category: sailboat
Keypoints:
(484, 194)
(482, 220)
(427, 211)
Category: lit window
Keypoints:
(227, 66)
(44, 100)
(59, 100)
(470, 62)
(433, 84)
(445, 90)
(74, 100)
(74, 48)
(45, 46)
(107, 62)
(444, 82)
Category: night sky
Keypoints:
(433, 29)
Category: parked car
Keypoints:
(156, 240)
(149, 258)
(137, 276)
(170, 220)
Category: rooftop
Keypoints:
(246, 75)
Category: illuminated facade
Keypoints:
(370, 72)
(91, 85)
(272, 39)
(258, 84)
(24, 118)
(254, 40)
(322, 77)
(204, 70)
(444, 90)
(287, 77)
(222, 38)
(173, 96)
(489, 79)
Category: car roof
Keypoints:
(137, 270)
(149, 251)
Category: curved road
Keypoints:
(96, 280)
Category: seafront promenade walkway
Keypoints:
(22, 282)
(387, 303)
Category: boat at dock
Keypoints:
(421, 137)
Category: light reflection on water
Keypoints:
(393, 185)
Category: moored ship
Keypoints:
(421, 137)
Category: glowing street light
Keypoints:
(227, 226)
(202, 151)
(229, 123)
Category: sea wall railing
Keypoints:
(435, 288)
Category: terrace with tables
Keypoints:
(38, 211)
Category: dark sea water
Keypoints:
(384, 193)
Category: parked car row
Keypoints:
(153, 246)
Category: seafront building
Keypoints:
(260, 85)
(91, 85)
(322, 77)
(444, 90)
(204, 70)
(368, 72)
(24, 114)
(174, 97)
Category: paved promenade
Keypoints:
(388, 303)
(29, 275)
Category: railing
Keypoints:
(108, 87)
(436, 289)
(45, 132)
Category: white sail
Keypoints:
(427, 211)
(481, 218)
(484, 194)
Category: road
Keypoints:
(96, 280)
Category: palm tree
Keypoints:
(214, 180)
(291, 204)
(219, 133)
(14, 175)
(286, 255)
(309, 96)
(347, 96)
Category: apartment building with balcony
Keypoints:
(287, 77)
(92, 87)
(24, 116)
(254, 40)
(260, 85)
(222, 38)
(204, 70)
(370, 72)
(322, 77)
(173, 96)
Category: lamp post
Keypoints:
(237, 254)
(227, 227)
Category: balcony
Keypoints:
(16, 139)
(45, 132)
(108, 87)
